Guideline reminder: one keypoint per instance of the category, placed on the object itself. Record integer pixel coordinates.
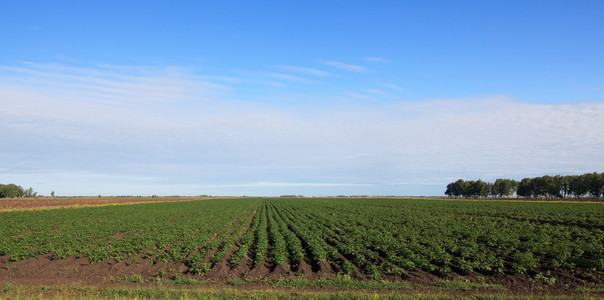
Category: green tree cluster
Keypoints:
(14, 191)
(479, 188)
(590, 185)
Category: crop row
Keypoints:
(165, 231)
(366, 237)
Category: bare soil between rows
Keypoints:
(47, 270)
(48, 203)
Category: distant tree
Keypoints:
(564, 185)
(476, 189)
(595, 183)
(514, 184)
(586, 185)
(11, 191)
(468, 189)
(525, 188)
(52, 194)
(481, 188)
(456, 189)
(578, 186)
(504, 187)
(29, 193)
(546, 186)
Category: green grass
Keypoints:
(341, 282)
(237, 282)
(178, 280)
(595, 289)
(456, 285)
(135, 278)
(10, 291)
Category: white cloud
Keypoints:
(374, 59)
(310, 71)
(286, 77)
(171, 129)
(347, 67)
(375, 92)
(392, 86)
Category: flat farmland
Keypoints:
(45, 203)
(401, 246)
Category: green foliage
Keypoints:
(579, 186)
(11, 191)
(547, 280)
(376, 238)
(261, 242)
(525, 262)
(237, 282)
(590, 289)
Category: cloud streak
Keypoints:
(346, 67)
(172, 131)
(374, 59)
(303, 70)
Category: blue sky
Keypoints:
(297, 97)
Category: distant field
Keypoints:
(39, 203)
(402, 245)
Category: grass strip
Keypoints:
(457, 285)
(593, 289)
(341, 282)
(10, 291)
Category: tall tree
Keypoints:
(29, 193)
(11, 191)
(504, 187)
(595, 184)
(525, 188)
(578, 186)
(564, 184)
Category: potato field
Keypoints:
(514, 246)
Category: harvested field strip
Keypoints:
(53, 203)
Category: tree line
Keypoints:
(590, 185)
(15, 191)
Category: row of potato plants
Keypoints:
(438, 236)
(118, 232)
(374, 236)
(218, 239)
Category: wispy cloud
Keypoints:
(166, 129)
(375, 91)
(285, 77)
(302, 70)
(347, 67)
(374, 59)
(392, 86)
(121, 85)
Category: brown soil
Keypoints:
(46, 203)
(47, 270)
